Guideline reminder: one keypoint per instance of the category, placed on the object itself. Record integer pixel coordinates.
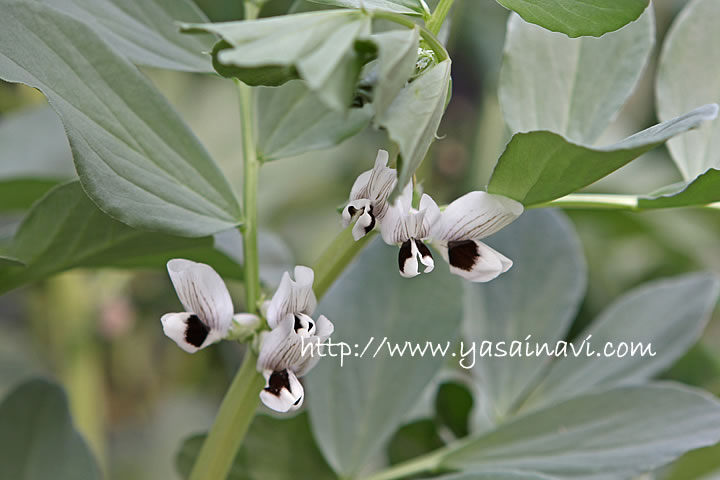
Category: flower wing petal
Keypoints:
(283, 391)
(203, 292)
(475, 261)
(474, 216)
(188, 331)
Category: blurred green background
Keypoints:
(135, 395)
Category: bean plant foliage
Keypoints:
(145, 193)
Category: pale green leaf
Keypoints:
(578, 18)
(616, 434)
(414, 116)
(277, 449)
(495, 475)
(145, 31)
(668, 316)
(397, 54)
(408, 7)
(7, 260)
(293, 120)
(318, 47)
(355, 408)
(539, 296)
(688, 76)
(541, 166)
(570, 86)
(37, 438)
(135, 157)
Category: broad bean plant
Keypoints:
(321, 392)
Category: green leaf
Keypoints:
(145, 30)
(28, 169)
(538, 167)
(277, 449)
(397, 54)
(689, 65)
(615, 434)
(539, 296)
(408, 7)
(413, 440)
(135, 157)
(576, 19)
(705, 189)
(293, 120)
(668, 315)
(318, 47)
(66, 230)
(37, 438)
(7, 260)
(453, 405)
(414, 116)
(355, 408)
(584, 81)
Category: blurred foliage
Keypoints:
(99, 332)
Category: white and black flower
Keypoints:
(368, 197)
(208, 313)
(290, 349)
(457, 231)
(409, 228)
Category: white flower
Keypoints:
(408, 227)
(368, 197)
(457, 232)
(290, 349)
(208, 307)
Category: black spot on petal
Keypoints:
(195, 331)
(404, 255)
(297, 401)
(423, 249)
(298, 324)
(278, 381)
(371, 225)
(463, 254)
(352, 210)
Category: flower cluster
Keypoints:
(288, 350)
(455, 232)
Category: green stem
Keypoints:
(251, 171)
(241, 400)
(425, 34)
(439, 15)
(335, 258)
(233, 419)
(604, 201)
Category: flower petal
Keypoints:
(375, 184)
(474, 216)
(292, 296)
(283, 391)
(394, 225)
(203, 292)
(475, 261)
(412, 253)
(188, 331)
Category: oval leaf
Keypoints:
(551, 82)
(136, 158)
(355, 408)
(703, 190)
(37, 438)
(615, 434)
(539, 296)
(668, 316)
(146, 30)
(576, 19)
(541, 166)
(689, 63)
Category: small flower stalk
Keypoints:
(455, 232)
(288, 351)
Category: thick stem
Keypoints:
(251, 171)
(438, 16)
(241, 400)
(233, 419)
